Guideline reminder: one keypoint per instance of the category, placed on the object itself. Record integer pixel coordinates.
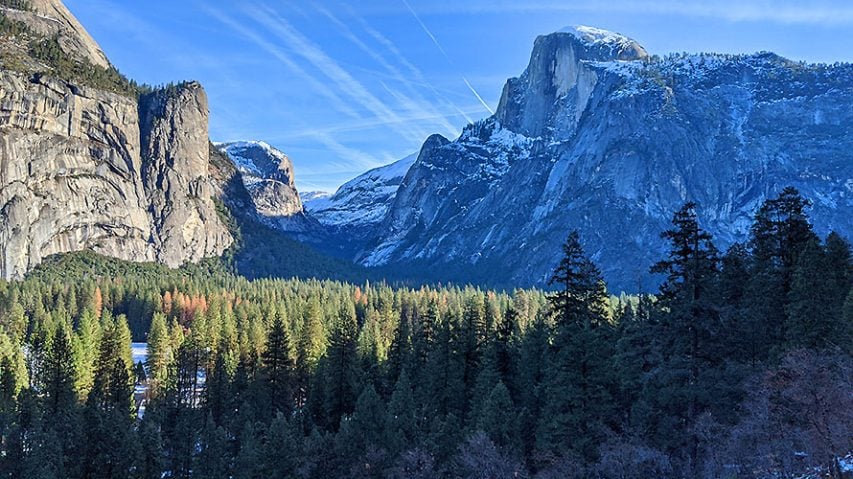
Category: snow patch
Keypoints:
(598, 37)
(363, 200)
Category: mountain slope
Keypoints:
(597, 136)
(362, 202)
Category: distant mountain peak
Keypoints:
(268, 176)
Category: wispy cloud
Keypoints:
(369, 123)
(332, 70)
(413, 102)
(279, 54)
(446, 56)
(413, 70)
(789, 12)
(354, 157)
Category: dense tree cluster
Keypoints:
(739, 367)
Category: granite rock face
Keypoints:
(51, 19)
(175, 175)
(69, 174)
(597, 136)
(82, 168)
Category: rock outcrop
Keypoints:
(175, 175)
(597, 136)
(51, 19)
(83, 168)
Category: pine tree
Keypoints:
(308, 350)
(213, 459)
(249, 463)
(160, 354)
(58, 373)
(342, 379)
(441, 382)
(780, 232)
(149, 464)
(283, 447)
(811, 320)
(278, 368)
(498, 419)
(472, 338)
(218, 399)
(110, 440)
(400, 351)
(401, 425)
(368, 419)
(580, 297)
(743, 329)
(505, 336)
(531, 382)
(579, 382)
(689, 331)
(60, 400)
(85, 345)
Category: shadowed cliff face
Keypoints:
(597, 136)
(81, 168)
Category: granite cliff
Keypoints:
(93, 162)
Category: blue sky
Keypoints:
(344, 86)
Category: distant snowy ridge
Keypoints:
(362, 201)
(310, 196)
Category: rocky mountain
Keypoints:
(51, 19)
(360, 205)
(309, 197)
(599, 136)
(268, 176)
(90, 161)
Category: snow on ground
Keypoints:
(139, 352)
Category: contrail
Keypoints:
(471, 87)
(446, 56)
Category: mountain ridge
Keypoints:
(592, 138)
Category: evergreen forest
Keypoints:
(738, 367)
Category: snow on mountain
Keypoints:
(268, 176)
(617, 43)
(310, 196)
(598, 136)
(363, 201)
